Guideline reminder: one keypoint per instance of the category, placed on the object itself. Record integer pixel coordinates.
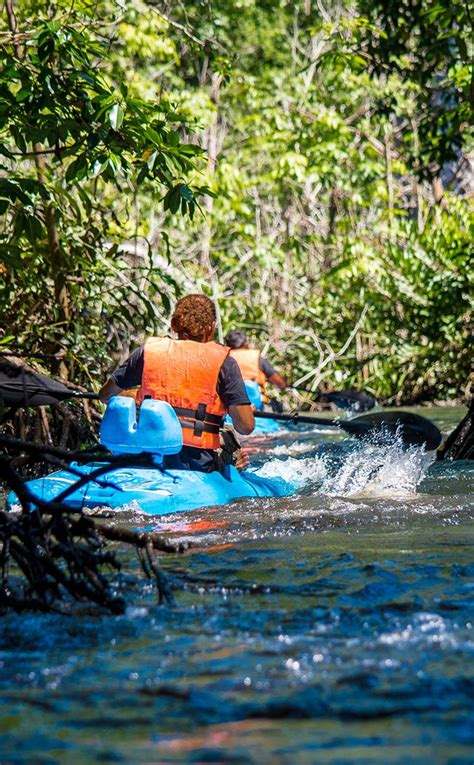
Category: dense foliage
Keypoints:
(74, 136)
(329, 151)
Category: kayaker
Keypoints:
(252, 364)
(197, 376)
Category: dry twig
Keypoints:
(52, 555)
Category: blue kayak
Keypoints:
(263, 426)
(151, 489)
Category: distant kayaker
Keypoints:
(197, 376)
(251, 362)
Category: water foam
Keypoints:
(297, 472)
(369, 470)
(284, 450)
(378, 470)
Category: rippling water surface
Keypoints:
(334, 626)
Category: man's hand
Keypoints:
(241, 460)
(108, 390)
(278, 380)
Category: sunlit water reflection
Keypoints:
(334, 626)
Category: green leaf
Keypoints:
(46, 44)
(173, 138)
(166, 302)
(151, 160)
(10, 255)
(100, 165)
(142, 174)
(13, 191)
(186, 193)
(77, 170)
(191, 149)
(116, 116)
(4, 151)
(28, 226)
(174, 200)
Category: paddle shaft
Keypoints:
(315, 393)
(412, 428)
(270, 415)
(297, 418)
(94, 397)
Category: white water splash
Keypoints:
(370, 470)
(296, 472)
(298, 447)
(378, 471)
(128, 507)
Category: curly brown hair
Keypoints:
(193, 317)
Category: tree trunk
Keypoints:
(56, 264)
(389, 179)
(212, 148)
(54, 248)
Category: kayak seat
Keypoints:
(157, 431)
(254, 393)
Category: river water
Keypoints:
(334, 626)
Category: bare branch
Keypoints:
(332, 355)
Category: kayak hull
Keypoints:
(153, 491)
(262, 427)
(266, 426)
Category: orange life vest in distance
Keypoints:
(248, 360)
(185, 373)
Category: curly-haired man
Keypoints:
(196, 375)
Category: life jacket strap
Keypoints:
(199, 427)
(199, 420)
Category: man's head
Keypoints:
(194, 318)
(236, 339)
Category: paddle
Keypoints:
(344, 399)
(22, 386)
(413, 429)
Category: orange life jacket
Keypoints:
(184, 373)
(248, 360)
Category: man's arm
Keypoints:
(278, 380)
(126, 377)
(271, 374)
(242, 418)
(231, 389)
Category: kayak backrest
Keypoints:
(157, 432)
(254, 393)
